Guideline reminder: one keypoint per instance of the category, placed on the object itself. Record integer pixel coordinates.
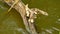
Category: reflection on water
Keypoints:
(21, 30)
(58, 21)
(48, 31)
(56, 29)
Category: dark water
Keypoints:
(44, 24)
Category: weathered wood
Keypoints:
(20, 7)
